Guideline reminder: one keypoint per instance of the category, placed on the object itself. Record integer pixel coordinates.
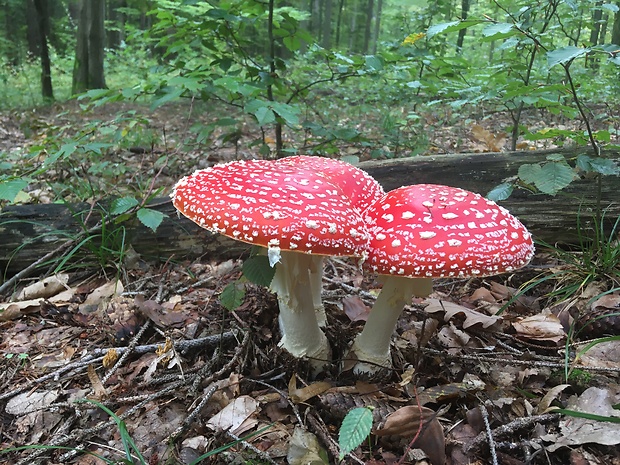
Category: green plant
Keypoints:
(256, 269)
(355, 428)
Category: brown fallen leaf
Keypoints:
(45, 288)
(307, 392)
(494, 142)
(472, 317)
(99, 391)
(355, 308)
(540, 327)
(409, 421)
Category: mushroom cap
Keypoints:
(357, 184)
(282, 208)
(428, 230)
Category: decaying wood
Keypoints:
(552, 219)
(30, 231)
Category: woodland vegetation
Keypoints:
(130, 335)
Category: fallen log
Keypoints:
(28, 232)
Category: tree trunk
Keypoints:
(615, 32)
(339, 22)
(88, 70)
(46, 69)
(352, 27)
(368, 27)
(11, 41)
(377, 26)
(597, 14)
(461, 37)
(326, 25)
(28, 231)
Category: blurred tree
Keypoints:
(615, 33)
(42, 14)
(88, 70)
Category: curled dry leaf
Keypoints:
(540, 327)
(304, 449)
(234, 417)
(552, 394)
(99, 390)
(451, 309)
(45, 288)
(405, 422)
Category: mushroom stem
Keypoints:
(316, 284)
(301, 335)
(372, 345)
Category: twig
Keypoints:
(517, 362)
(489, 433)
(132, 345)
(263, 455)
(510, 428)
(180, 345)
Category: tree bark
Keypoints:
(615, 32)
(461, 37)
(377, 26)
(43, 17)
(88, 70)
(326, 26)
(28, 232)
(368, 26)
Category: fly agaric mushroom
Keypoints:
(429, 231)
(293, 213)
(361, 189)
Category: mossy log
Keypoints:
(29, 232)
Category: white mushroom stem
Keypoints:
(316, 284)
(372, 345)
(301, 335)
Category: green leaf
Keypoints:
(257, 270)
(10, 189)
(150, 218)
(452, 26)
(603, 166)
(564, 55)
(122, 205)
(501, 192)
(232, 295)
(355, 428)
(497, 29)
(529, 173)
(170, 95)
(374, 63)
(265, 115)
(554, 177)
(287, 112)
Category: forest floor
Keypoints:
(183, 376)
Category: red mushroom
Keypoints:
(361, 189)
(291, 212)
(428, 231)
